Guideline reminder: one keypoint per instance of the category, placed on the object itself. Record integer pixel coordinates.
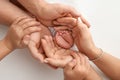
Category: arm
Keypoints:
(107, 63)
(9, 12)
(46, 12)
(4, 51)
(93, 75)
(83, 39)
(14, 13)
(34, 7)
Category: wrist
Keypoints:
(40, 8)
(93, 53)
(34, 7)
(4, 50)
(92, 75)
(7, 45)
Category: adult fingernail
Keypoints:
(46, 61)
(79, 19)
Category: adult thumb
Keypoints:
(54, 62)
(70, 65)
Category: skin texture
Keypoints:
(9, 18)
(75, 64)
(78, 68)
(21, 27)
(35, 43)
(47, 13)
(57, 56)
(85, 44)
(16, 33)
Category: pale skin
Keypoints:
(49, 12)
(107, 63)
(90, 52)
(14, 13)
(62, 58)
(80, 69)
(28, 15)
(38, 8)
(15, 35)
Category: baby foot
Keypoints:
(64, 38)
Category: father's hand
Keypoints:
(48, 12)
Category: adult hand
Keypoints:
(81, 34)
(20, 27)
(46, 12)
(84, 41)
(57, 56)
(52, 11)
(78, 68)
(35, 43)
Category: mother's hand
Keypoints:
(57, 56)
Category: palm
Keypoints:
(35, 42)
(60, 57)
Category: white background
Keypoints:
(104, 16)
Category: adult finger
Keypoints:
(75, 56)
(26, 40)
(31, 30)
(49, 51)
(18, 19)
(59, 28)
(54, 62)
(25, 20)
(85, 21)
(70, 66)
(66, 21)
(75, 14)
(35, 51)
(82, 27)
(30, 23)
(54, 67)
(82, 58)
(51, 41)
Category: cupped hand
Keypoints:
(19, 28)
(35, 46)
(78, 68)
(80, 32)
(83, 38)
(57, 56)
(53, 11)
